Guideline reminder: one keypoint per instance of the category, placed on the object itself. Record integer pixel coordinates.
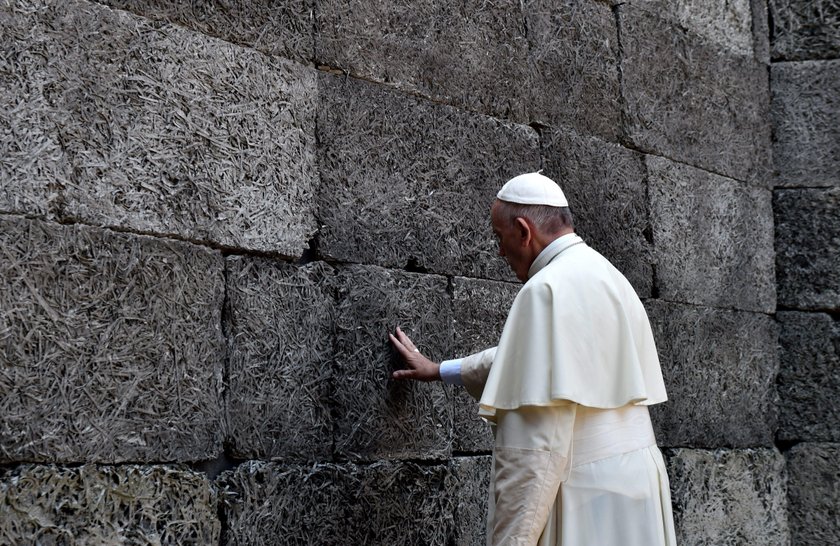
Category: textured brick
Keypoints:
(281, 342)
(424, 197)
(112, 347)
(606, 185)
(805, 29)
(151, 127)
(814, 493)
(694, 103)
(106, 505)
(809, 377)
(713, 238)
(806, 123)
(472, 481)
(378, 417)
(719, 369)
(807, 246)
(728, 497)
(761, 30)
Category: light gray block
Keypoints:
(112, 347)
(690, 101)
(725, 497)
(808, 382)
(470, 491)
(407, 182)
(376, 416)
(719, 369)
(165, 130)
(805, 29)
(807, 246)
(277, 28)
(713, 238)
(471, 55)
(814, 493)
(281, 335)
(606, 185)
(806, 123)
(106, 505)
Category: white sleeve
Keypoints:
(450, 372)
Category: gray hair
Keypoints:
(546, 218)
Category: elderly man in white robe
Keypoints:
(575, 461)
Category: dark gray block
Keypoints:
(376, 416)
(471, 484)
(719, 369)
(728, 497)
(480, 309)
(761, 30)
(111, 346)
(106, 505)
(277, 28)
(713, 238)
(809, 382)
(406, 181)
(806, 123)
(807, 246)
(471, 55)
(606, 185)
(805, 29)
(691, 101)
(280, 365)
(164, 130)
(814, 493)
(573, 64)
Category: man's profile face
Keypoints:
(510, 243)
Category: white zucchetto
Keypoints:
(533, 189)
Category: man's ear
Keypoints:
(523, 229)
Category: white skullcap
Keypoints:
(533, 189)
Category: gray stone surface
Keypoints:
(807, 246)
(280, 333)
(719, 369)
(112, 347)
(376, 416)
(806, 123)
(120, 121)
(480, 309)
(471, 483)
(805, 29)
(814, 493)
(809, 377)
(277, 28)
(423, 198)
(106, 505)
(690, 101)
(606, 185)
(712, 237)
(761, 30)
(725, 497)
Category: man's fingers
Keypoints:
(406, 341)
(404, 374)
(403, 350)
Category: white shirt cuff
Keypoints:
(450, 372)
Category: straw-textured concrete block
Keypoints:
(805, 29)
(573, 63)
(111, 346)
(280, 364)
(472, 55)
(606, 185)
(410, 182)
(814, 493)
(165, 130)
(690, 101)
(106, 505)
(809, 382)
(480, 309)
(728, 497)
(761, 30)
(713, 238)
(376, 416)
(807, 246)
(806, 123)
(472, 481)
(277, 28)
(719, 369)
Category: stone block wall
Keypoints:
(212, 213)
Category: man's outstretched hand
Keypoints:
(418, 367)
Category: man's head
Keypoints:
(530, 212)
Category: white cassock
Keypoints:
(575, 458)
